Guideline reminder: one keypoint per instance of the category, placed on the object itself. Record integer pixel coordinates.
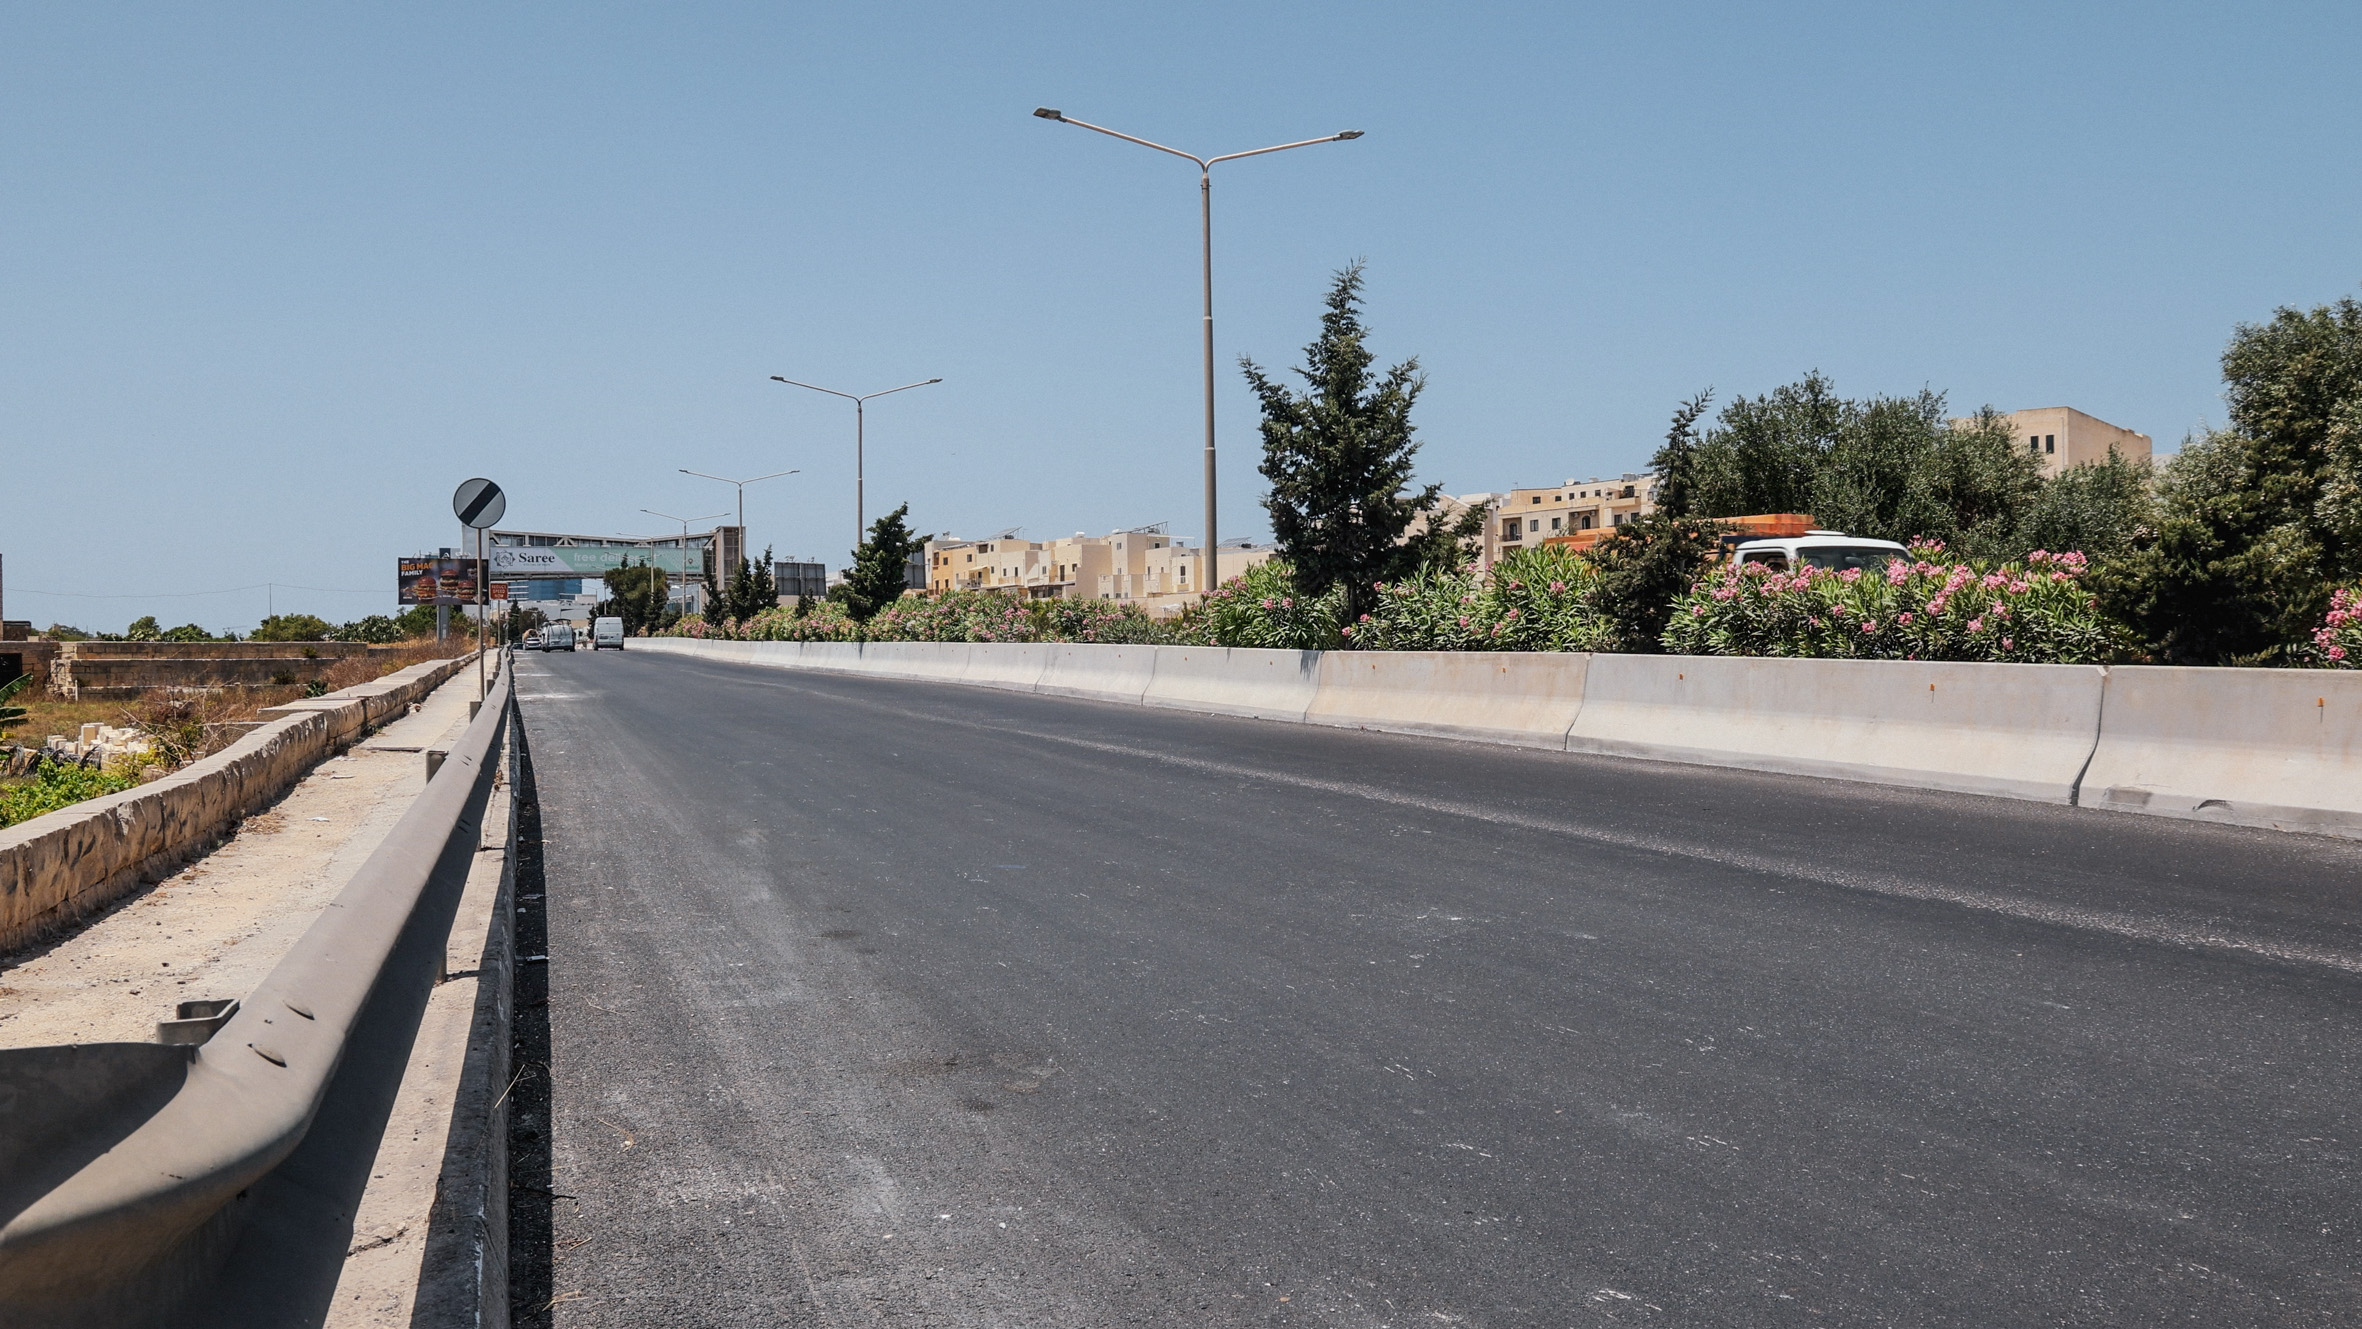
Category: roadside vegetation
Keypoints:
(2245, 548)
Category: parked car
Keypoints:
(558, 637)
(1819, 549)
(606, 634)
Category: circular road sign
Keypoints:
(479, 503)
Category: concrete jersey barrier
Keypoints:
(2275, 748)
(2021, 731)
(1266, 685)
(1015, 666)
(1109, 673)
(2256, 747)
(929, 661)
(1523, 698)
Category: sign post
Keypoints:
(479, 503)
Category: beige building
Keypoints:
(1524, 518)
(2063, 436)
(1145, 566)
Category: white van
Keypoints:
(606, 633)
(1820, 549)
(558, 637)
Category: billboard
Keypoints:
(436, 581)
(567, 562)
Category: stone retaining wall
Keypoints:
(67, 864)
(120, 670)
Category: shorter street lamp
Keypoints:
(684, 521)
(742, 484)
(860, 509)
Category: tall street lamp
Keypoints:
(860, 510)
(742, 484)
(684, 521)
(1205, 215)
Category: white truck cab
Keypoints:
(606, 634)
(558, 637)
(1819, 549)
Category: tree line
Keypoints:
(2227, 552)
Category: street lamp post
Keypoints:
(684, 521)
(742, 484)
(1205, 215)
(860, 509)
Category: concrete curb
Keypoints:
(68, 864)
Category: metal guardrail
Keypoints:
(120, 1162)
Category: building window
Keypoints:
(2050, 442)
(1537, 498)
(1513, 529)
(1554, 523)
(2034, 444)
(1535, 525)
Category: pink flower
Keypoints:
(1267, 602)
(1869, 625)
(1976, 625)
(1463, 622)
(1697, 611)
(1557, 586)
(1903, 617)
(2008, 645)
(1850, 575)
(2337, 652)
(1364, 618)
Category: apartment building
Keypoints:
(1524, 518)
(1146, 566)
(2063, 436)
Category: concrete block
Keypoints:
(1522, 698)
(2020, 731)
(935, 662)
(2254, 747)
(842, 657)
(1269, 685)
(1084, 669)
(1006, 664)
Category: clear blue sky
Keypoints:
(273, 279)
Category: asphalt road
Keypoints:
(897, 1004)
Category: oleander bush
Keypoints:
(2038, 610)
(824, 621)
(954, 616)
(2337, 643)
(2034, 611)
(1260, 608)
(1533, 600)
